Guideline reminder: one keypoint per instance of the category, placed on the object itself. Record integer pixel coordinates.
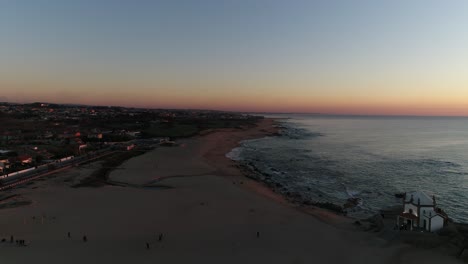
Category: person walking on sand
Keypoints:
(11, 239)
(160, 237)
(69, 235)
(147, 245)
(258, 234)
(85, 239)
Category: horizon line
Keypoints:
(247, 112)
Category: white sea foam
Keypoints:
(333, 159)
(235, 154)
(352, 193)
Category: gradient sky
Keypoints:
(350, 57)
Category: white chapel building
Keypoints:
(421, 213)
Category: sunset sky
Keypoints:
(348, 57)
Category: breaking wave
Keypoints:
(316, 166)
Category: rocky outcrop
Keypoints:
(351, 203)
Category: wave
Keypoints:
(433, 162)
(291, 131)
(352, 193)
(347, 172)
(235, 154)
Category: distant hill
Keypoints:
(38, 104)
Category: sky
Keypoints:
(372, 57)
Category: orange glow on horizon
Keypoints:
(273, 105)
(294, 100)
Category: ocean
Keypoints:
(334, 158)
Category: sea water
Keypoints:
(334, 158)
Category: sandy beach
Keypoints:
(205, 208)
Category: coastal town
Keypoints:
(39, 137)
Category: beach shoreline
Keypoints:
(216, 154)
(200, 200)
(270, 127)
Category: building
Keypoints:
(130, 147)
(133, 133)
(3, 165)
(5, 152)
(420, 212)
(25, 159)
(95, 135)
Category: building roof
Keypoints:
(24, 157)
(432, 214)
(422, 196)
(409, 216)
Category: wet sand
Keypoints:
(206, 209)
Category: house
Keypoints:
(47, 135)
(95, 135)
(133, 133)
(81, 147)
(25, 159)
(4, 164)
(420, 212)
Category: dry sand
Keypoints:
(206, 216)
